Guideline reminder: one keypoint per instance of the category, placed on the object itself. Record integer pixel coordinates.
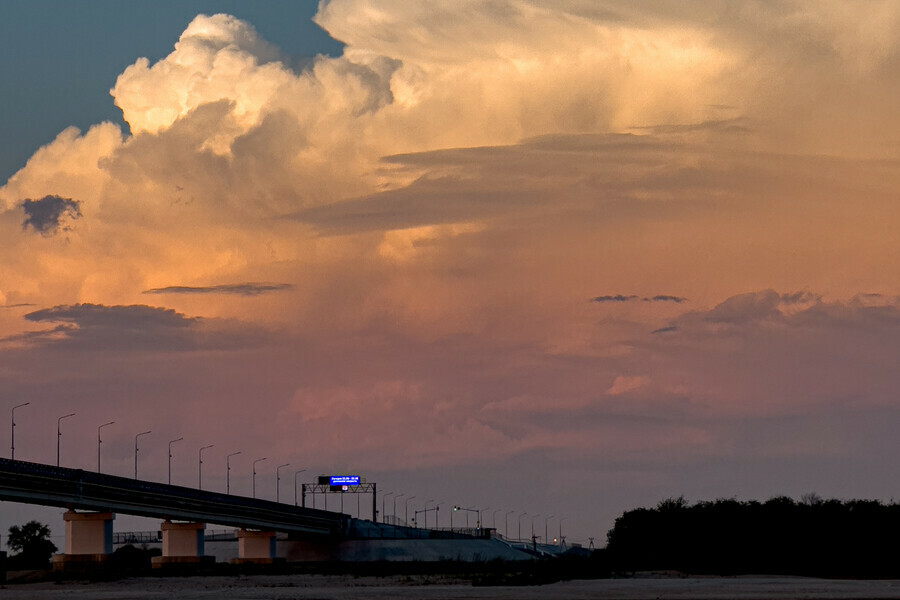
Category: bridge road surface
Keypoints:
(47, 485)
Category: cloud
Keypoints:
(632, 298)
(240, 289)
(616, 298)
(447, 194)
(50, 214)
(135, 328)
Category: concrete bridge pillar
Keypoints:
(256, 547)
(88, 539)
(182, 544)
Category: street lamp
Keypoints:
(561, 519)
(278, 481)
(200, 466)
(383, 502)
(394, 511)
(426, 512)
(295, 484)
(254, 473)
(506, 523)
(99, 441)
(170, 458)
(437, 514)
(533, 517)
(406, 510)
(520, 524)
(546, 537)
(228, 471)
(59, 434)
(494, 517)
(12, 437)
(136, 450)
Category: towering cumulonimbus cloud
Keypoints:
(568, 232)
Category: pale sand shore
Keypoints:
(314, 587)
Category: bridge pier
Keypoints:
(256, 547)
(88, 540)
(182, 545)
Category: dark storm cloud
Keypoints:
(134, 317)
(240, 289)
(95, 327)
(616, 298)
(665, 298)
(665, 329)
(49, 215)
(633, 298)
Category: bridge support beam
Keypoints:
(182, 545)
(88, 540)
(256, 547)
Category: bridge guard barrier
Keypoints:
(88, 539)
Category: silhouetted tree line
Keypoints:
(831, 538)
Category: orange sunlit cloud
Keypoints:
(564, 237)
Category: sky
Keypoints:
(549, 260)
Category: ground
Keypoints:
(319, 587)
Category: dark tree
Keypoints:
(833, 538)
(32, 543)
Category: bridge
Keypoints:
(105, 495)
(314, 534)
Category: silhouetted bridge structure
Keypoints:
(312, 534)
(47, 485)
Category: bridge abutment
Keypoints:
(88, 540)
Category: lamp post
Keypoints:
(254, 473)
(406, 509)
(437, 514)
(170, 458)
(561, 519)
(12, 437)
(383, 502)
(59, 434)
(506, 523)
(546, 537)
(278, 481)
(533, 517)
(520, 524)
(295, 484)
(494, 517)
(426, 512)
(228, 471)
(394, 510)
(136, 450)
(200, 466)
(99, 441)
(480, 520)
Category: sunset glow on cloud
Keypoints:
(567, 258)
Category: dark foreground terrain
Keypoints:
(425, 587)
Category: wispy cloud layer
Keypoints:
(633, 298)
(240, 289)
